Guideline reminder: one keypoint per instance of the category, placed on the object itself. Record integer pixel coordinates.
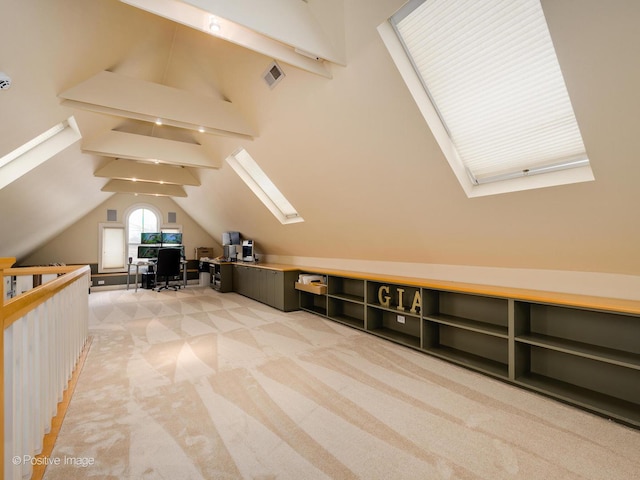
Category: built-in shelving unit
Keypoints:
(221, 276)
(590, 358)
(345, 297)
(471, 330)
(392, 314)
(580, 350)
(313, 297)
(315, 303)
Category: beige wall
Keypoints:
(79, 243)
(359, 163)
(582, 283)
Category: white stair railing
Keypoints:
(45, 330)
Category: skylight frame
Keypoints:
(38, 150)
(33, 143)
(571, 169)
(262, 186)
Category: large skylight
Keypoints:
(38, 150)
(491, 91)
(258, 181)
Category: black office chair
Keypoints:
(168, 266)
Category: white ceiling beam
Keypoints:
(142, 147)
(115, 94)
(309, 55)
(144, 188)
(288, 21)
(147, 172)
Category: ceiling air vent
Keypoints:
(273, 75)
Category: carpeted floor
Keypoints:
(201, 385)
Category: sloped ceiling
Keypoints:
(350, 152)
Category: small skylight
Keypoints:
(487, 80)
(38, 150)
(258, 181)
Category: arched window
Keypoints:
(140, 219)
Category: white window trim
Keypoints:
(137, 206)
(439, 131)
(171, 228)
(132, 209)
(260, 192)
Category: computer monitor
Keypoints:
(154, 238)
(231, 238)
(171, 238)
(147, 252)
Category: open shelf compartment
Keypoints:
(486, 353)
(346, 312)
(487, 315)
(313, 303)
(351, 289)
(602, 354)
(580, 380)
(603, 336)
(394, 325)
(395, 297)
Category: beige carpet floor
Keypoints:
(201, 385)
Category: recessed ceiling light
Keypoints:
(201, 129)
(158, 122)
(214, 26)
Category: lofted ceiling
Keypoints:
(340, 135)
(149, 122)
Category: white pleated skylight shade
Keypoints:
(491, 71)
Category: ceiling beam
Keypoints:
(230, 26)
(147, 172)
(115, 94)
(142, 147)
(144, 188)
(291, 22)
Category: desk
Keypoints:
(145, 263)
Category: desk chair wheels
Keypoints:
(166, 286)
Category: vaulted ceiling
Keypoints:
(340, 136)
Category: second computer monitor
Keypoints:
(171, 238)
(147, 252)
(150, 238)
